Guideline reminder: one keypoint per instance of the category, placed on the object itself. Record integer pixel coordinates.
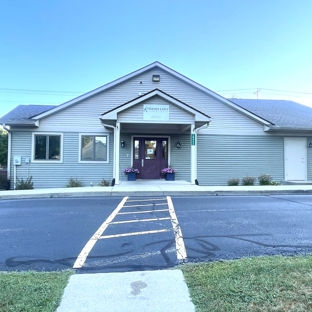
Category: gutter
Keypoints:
(115, 146)
(9, 150)
(24, 123)
(281, 129)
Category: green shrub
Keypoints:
(104, 183)
(264, 179)
(74, 183)
(24, 185)
(233, 181)
(275, 183)
(248, 180)
(4, 183)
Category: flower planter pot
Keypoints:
(170, 176)
(131, 176)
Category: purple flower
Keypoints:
(168, 170)
(131, 169)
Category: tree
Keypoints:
(3, 147)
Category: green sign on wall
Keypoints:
(193, 139)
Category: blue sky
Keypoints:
(53, 51)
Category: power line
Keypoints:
(289, 95)
(277, 90)
(287, 91)
(235, 90)
(33, 91)
(28, 102)
(13, 90)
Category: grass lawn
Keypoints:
(252, 284)
(32, 291)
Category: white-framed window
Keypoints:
(47, 147)
(93, 148)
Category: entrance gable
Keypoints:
(164, 112)
(136, 110)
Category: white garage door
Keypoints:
(295, 151)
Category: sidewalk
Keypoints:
(146, 291)
(157, 188)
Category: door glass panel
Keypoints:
(164, 149)
(150, 149)
(136, 149)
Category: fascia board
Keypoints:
(24, 123)
(283, 129)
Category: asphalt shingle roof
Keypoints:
(282, 113)
(25, 112)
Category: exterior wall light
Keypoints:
(122, 144)
(310, 145)
(178, 144)
(156, 78)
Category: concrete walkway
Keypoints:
(156, 188)
(148, 291)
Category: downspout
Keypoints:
(114, 167)
(9, 151)
(194, 154)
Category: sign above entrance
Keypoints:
(155, 112)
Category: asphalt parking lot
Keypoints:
(50, 234)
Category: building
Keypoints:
(153, 118)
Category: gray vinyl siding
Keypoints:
(176, 114)
(125, 157)
(50, 175)
(181, 157)
(224, 157)
(21, 146)
(86, 112)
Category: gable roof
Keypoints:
(282, 113)
(112, 114)
(274, 114)
(142, 70)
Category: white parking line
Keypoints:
(135, 233)
(145, 211)
(87, 248)
(180, 246)
(145, 200)
(147, 205)
(142, 220)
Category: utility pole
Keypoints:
(257, 92)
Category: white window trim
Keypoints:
(93, 161)
(46, 161)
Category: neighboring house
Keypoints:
(153, 118)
